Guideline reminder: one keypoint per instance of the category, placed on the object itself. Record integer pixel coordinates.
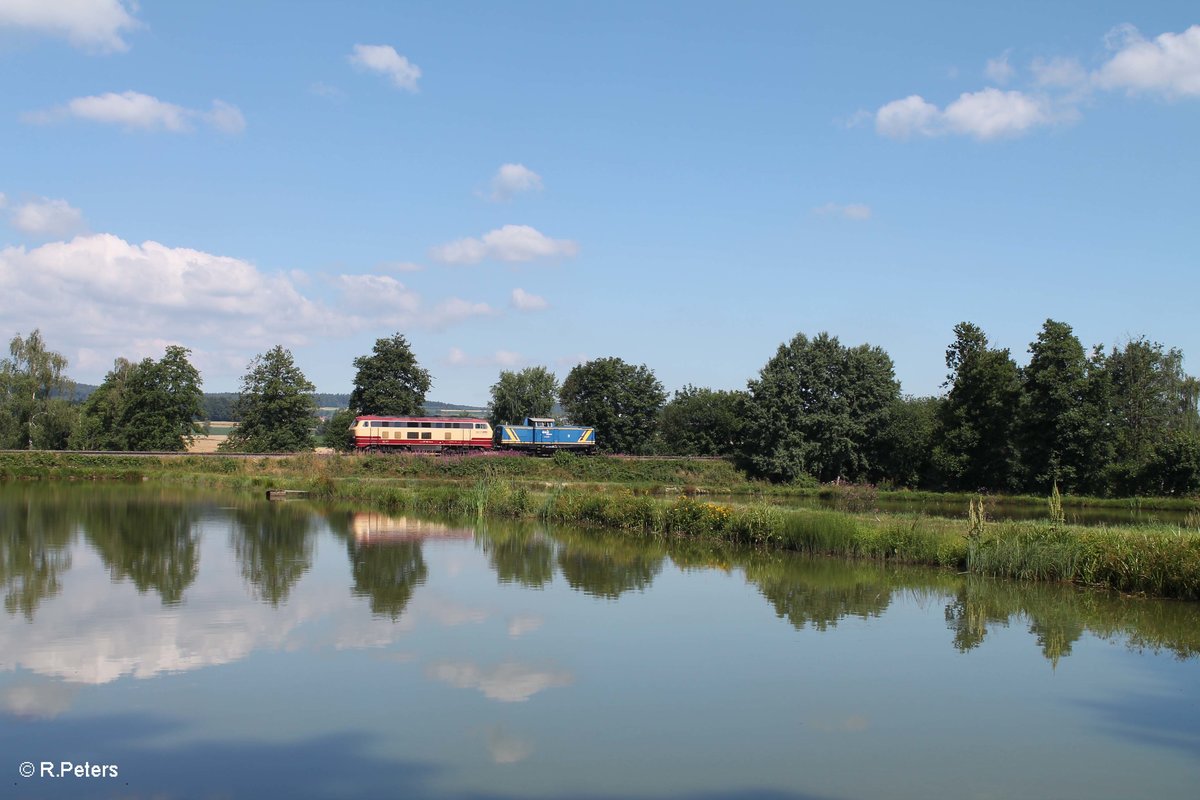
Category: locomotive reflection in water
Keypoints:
(370, 527)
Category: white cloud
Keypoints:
(853, 211)
(99, 290)
(131, 110)
(1058, 72)
(383, 300)
(991, 113)
(49, 218)
(455, 310)
(987, 114)
(507, 683)
(225, 117)
(457, 357)
(384, 59)
(1169, 65)
(856, 120)
(524, 301)
(137, 111)
(380, 294)
(463, 251)
(94, 25)
(911, 116)
(511, 179)
(513, 243)
(998, 70)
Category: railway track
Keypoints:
(184, 454)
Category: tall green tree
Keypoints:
(973, 446)
(905, 442)
(619, 400)
(528, 393)
(1095, 468)
(276, 407)
(336, 432)
(702, 422)
(150, 405)
(1052, 421)
(816, 408)
(100, 425)
(1154, 418)
(35, 412)
(389, 382)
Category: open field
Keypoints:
(206, 444)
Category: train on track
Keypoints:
(537, 435)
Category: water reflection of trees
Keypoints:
(274, 545)
(819, 592)
(35, 550)
(150, 536)
(387, 574)
(151, 542)
(1058, 615)
(518, 554)
(608, 565)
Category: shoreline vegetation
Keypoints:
(666, 498)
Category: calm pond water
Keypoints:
(205, 646)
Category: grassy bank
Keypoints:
(665, 476)
(1161, 561)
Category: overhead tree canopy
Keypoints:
(276, 407)
(528, 393)
(619, 400)
(389, 382)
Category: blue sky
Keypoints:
(681, 185)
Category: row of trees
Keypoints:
(1116, 422)
(1122, 422)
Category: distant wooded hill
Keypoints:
(219, 405)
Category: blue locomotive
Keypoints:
(541, 436)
